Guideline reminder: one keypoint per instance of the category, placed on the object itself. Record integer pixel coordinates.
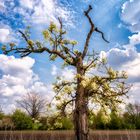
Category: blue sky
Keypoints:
(118, 19)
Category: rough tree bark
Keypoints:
(81, 108)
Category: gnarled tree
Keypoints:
(87, 86)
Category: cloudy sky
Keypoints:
(118, 19)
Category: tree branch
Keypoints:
(97, 30)
(64, 105)
(26, 51)
(90, 64)
(89, 33)
(92, 29)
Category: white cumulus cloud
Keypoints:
(44, 11)
(131, 14)
(17, 78)
(54, 70)
(27, 3)
(6, 34)
(2, 6)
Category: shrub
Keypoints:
(67, 123)
(21, 120)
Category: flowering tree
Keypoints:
(87, 86)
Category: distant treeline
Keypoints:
(19, 120)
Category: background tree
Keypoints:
(7, 123)
(105, 88)
(56, 122)
(115, 121)
(1, 109)
(21, 120)
(101, 120)
(33, 104)
(1, 113)
(132, 116)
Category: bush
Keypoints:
(67, 123)
(21, 120)
(100, 120)
(36, 125)
(1, 115)
(44, 123)
(59, 123)
(115, 122)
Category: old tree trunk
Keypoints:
(81, 114)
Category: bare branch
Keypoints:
(89, 33)
(23, 35)
(97, 30)
(92, 29)
(33, 103)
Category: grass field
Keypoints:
(68, 135)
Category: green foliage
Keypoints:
(46, 34)
(27, 31)
(36, 125)
(101, 120)
(92, 120)
(21, 120)
(129, 121)
(1, 115)
(30, 42)
(53, 57)
(52, 27)
(59, 123)
(54, 123)
(74, 42)
(115, 121)
(67, 123)
(3, 48)
(43, 123)
(132, 116)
